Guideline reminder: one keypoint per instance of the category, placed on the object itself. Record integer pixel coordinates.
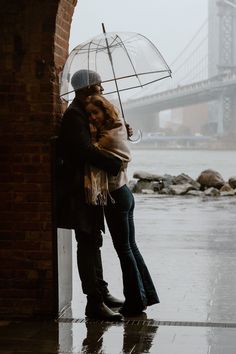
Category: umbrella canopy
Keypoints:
(124, 60)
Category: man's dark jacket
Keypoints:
(73, 150)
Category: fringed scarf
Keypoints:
(111, 139)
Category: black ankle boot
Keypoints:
(132, 311)
(101, 312)
(111, 301)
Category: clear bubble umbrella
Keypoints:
(124, 60)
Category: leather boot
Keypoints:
(111, 301)
(131, 311)
(101, 312)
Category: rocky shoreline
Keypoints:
(208, 183)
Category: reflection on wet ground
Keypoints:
(189, 246)
(131, 336)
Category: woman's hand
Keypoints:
(129, 130)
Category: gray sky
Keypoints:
(169, 24)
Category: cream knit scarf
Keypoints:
(112, 139)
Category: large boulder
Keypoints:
(210, 178)
(181, 189)
(143, 184)
(183, 179)
(168, 180)
(226, 188)
(147, 181)
(132, 185)
(147, 176)
(232, 182)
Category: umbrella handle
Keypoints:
(137, 139)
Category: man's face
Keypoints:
(96, 89)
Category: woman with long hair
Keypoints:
(109, 133)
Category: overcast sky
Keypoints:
(169, 24)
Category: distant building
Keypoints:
(193, 119)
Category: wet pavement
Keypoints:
(131, 336)
(189, 247)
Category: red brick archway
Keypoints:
(34, 48)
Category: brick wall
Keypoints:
(34, 47)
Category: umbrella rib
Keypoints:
(121, 90)
(114, 43)
(125, 49)
(70, 58)
(98, 47)
(158, 52)
(144, 73)
(133, 87)
(129, 88)
(113, 70)
(96, 51)
(89, 53)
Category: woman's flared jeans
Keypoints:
(138, 288)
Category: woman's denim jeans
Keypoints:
(138, 287)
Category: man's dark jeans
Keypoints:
(138, 287)
(90, 266)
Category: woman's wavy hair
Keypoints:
(111, 113)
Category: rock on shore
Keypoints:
(208, 183)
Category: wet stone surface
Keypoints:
(138, 336)
(189, 246)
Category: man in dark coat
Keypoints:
(74, 149)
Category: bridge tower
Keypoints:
(221, 60)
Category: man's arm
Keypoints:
(76, 138)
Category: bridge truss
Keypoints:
(209, 57)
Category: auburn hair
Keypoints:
(111, 113)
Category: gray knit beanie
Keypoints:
(85, 78)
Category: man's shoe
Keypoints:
(102, 312)
(126, 311)
(111, 301)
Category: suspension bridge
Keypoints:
(204, 72)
